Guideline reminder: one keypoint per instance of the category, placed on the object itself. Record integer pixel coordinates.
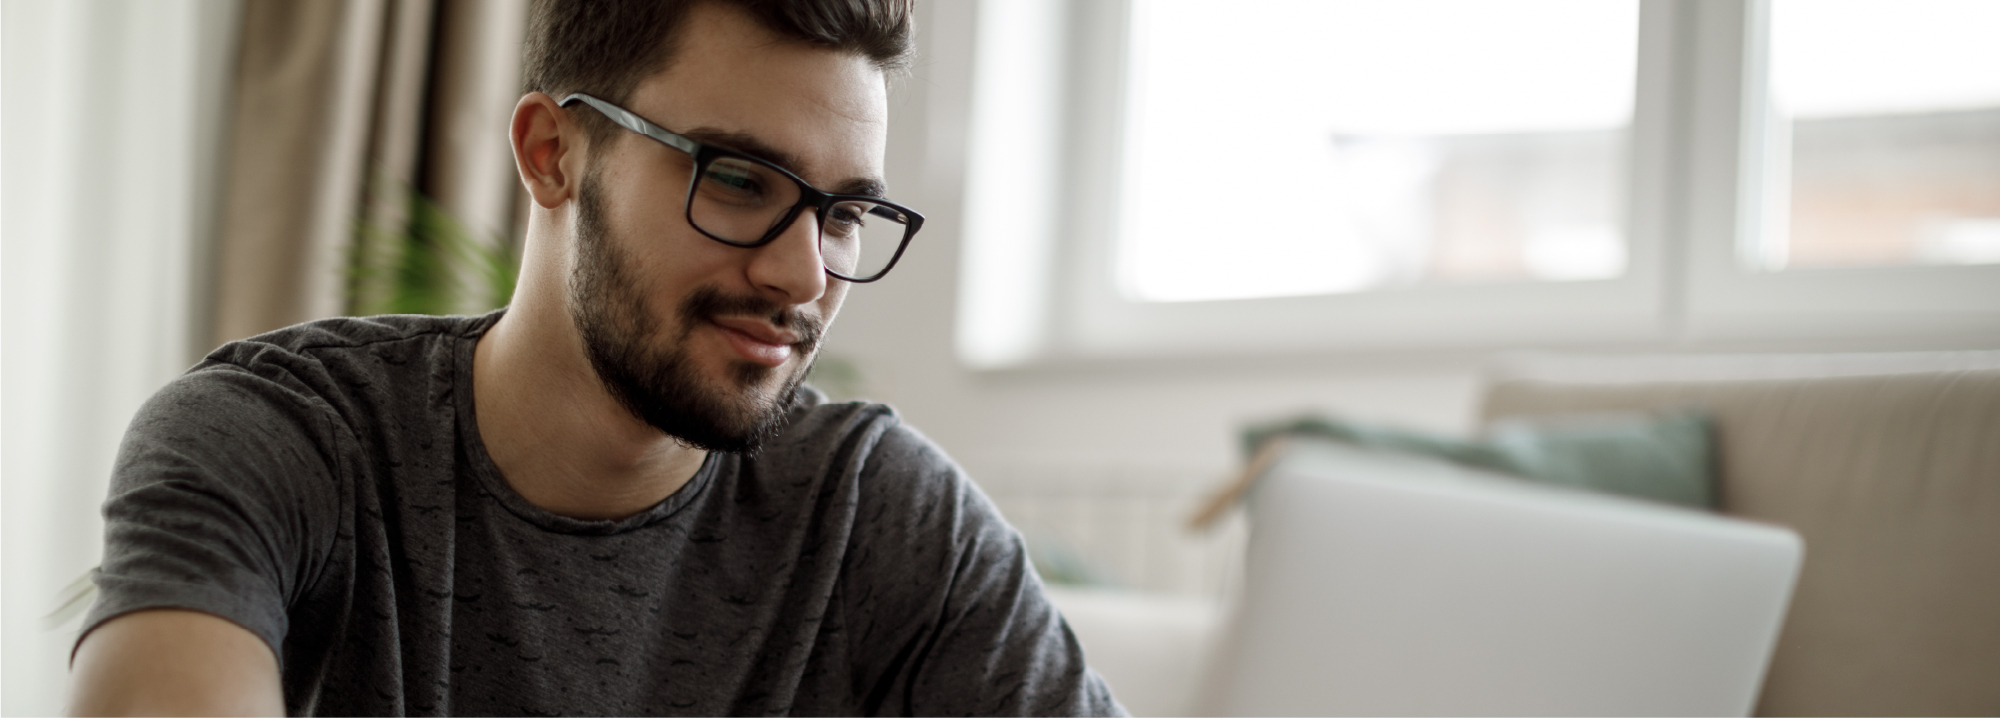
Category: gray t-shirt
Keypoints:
(325, 486)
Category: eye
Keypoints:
(846, 218)
(734, 181)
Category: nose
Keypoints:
(790, 268)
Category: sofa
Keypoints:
(1888, 465)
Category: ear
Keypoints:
(548, 149)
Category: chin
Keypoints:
(735, 412)
(757, 384)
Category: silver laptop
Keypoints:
(1379, 584)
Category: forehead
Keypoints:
(826, 109)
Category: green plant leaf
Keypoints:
(429, 263)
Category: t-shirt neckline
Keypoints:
(480, 463)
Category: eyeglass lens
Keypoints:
(740, 200)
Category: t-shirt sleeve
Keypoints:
(222, 500)
(952, 617)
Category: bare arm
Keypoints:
(173, 662)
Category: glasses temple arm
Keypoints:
(635, 123)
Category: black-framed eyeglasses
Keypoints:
(745, 201)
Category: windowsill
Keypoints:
(1473, 356)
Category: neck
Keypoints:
(558, 437)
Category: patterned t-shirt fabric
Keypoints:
(325, 486)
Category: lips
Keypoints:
(757, 341)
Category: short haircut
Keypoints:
(605, 47)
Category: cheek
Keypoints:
(641, 205)
(829, 303)
(649, 226)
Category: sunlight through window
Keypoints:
(1289, 147)
(1882, 135)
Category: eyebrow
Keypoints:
(750, 145)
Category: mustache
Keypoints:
(708, 303)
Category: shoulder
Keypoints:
(340, 361)
(298, 384)
(905, 487)
(869, 438)
(302, 348)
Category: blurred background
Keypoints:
(1151, 223)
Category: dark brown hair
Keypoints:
(605, 47)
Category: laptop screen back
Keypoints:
(1378, 584)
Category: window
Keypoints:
(1404, 143)
(1277, 176)
(1884, 134)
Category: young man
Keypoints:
(611, 497)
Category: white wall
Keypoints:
(110, 134)
(1179, 416)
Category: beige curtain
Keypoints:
(341, 107)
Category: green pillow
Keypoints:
(1059, 564)
(1665, 456)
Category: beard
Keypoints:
(656, 380)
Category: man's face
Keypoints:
(703, 340)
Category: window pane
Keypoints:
(1889, 111)
(1288, 147)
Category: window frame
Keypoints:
(1726, 301)
(1690, 202)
